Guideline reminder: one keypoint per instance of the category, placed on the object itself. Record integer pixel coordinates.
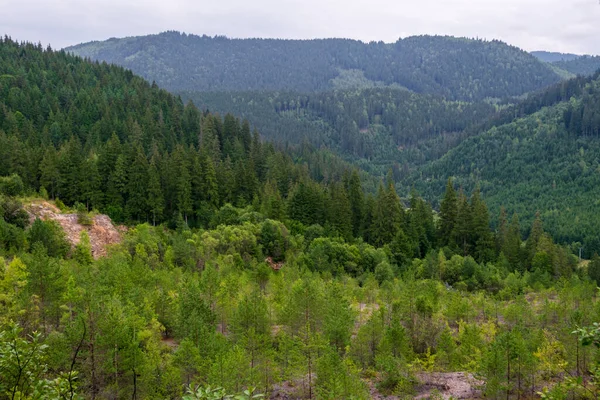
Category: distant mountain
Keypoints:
(457, 68)
(552, 57)
(585, 65)
(571, 63)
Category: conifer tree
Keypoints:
(91, 191)
(210, 189)
(463, 226)
(183, 183)
(387, 215)
(156, 201)
(49, 171)
(356, 197)
(483, 242)
(340, 211)
(137, 186)
(535, 234)
(70, 166)
(448, 214)
(512, 245)
(116, 186)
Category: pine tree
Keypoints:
(137, 187)
(340, 211)
(502, 233)
(91, 191)
(107, 158)
(182, 183)
(116, 186)
(463, 226)
(226, 179)
(536, 233)
(356, 197)
(448, 214)
(512, 245)
(70, 166)
(483, 242)
(387, 215)
(155, 200)
(49, 171)
(272, 205)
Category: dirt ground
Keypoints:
(446, 385)
(102, 232)
(433, 385)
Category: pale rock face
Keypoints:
(102, 232)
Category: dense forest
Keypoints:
(546, 160)
(368, 124)
(585, 65)
(422, 138)
(456, 68)
(570, 63)
(246, 271)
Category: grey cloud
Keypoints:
(556, 25)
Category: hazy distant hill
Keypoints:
(585, 65)
(456, 68)
(571, 63)
(551, 57)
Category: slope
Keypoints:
(546, 160)
(456, 68)
(97, 135)
(584, 65)
(551, 57)
(367, 126)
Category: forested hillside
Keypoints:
(571, 63)
(100, 136)
(545, 160)
(247, 271)
(362, 125)
(585, 65)
(381, 128)
(456, 68)
(552, 57)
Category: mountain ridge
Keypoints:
(457, 68)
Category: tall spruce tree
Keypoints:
(448, 214)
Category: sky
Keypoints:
(571, 26)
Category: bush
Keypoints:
(61, 206)
(12, 185)
(83, 216)
(12, 211)
(50, 235)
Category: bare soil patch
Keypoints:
(102, 232)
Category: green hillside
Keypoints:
(552, 57)
(456, 68)
(545, 160)
(366, 126)
(248, 270)
(585, 65)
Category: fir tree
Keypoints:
(448, 214)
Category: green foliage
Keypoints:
(355, 291)
(50, 235)
(584, 65)
(83, 217)
(11, 185)
(23, 368)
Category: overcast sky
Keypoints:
(554, 25)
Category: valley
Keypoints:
(298, 219)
